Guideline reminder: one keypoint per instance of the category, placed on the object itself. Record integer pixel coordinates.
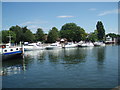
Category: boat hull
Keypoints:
(99, 44)
(31, 48)
(53, 47)
(13, 55)
(11, 52)
(86, 45)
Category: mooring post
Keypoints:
(23, 49)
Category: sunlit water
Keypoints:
(95, 67)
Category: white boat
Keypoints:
(8, 51)
(87, 44)
(56, 45)
(80, 43)
(99, 44)
(70, 45)
(33, 46)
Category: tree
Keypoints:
(100, 30)
(5, 33)
(29, 37)
(22, 34)
(72, 32)
(0, 37)
(24, 29)
(113, 35)
(92, 37)
(18, 31)
(13, 36)
(40, 35)
(53, 35)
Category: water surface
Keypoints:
(94, 67)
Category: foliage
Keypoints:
(28, 36)
(100, 30)
(5, 33)
(13, 36)
(72, 32)
(113, 35)
(0, 37)
(40, 35)
(53, 35)
(93, 36)
(22, 34)
(18, 31)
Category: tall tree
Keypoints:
(18, 31)
(72, 32)
(40, 35)
(100, 30)
(92, 37)
(6, 34)
(29, 37)
(13, 36)
(22, 34)
(53, 35)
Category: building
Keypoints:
(110, 40)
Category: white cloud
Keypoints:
(33, 22)
(92, 9)
(34, 25)
(26, 23)
(115, 11)
(65, 16)
(34, 28)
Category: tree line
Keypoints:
(69, 31)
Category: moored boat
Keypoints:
(70, 45)
(33, 46)
(56, 45)
(99, 44)
(87, 44)
(7, 51)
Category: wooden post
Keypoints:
(23, 49)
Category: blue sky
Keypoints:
(46, 15)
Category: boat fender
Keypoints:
(3, 46)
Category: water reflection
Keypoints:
(61, 56)
(64, 67)
(15, 66)
(74, 56)
(54, 55)
(100, 55)
(10, 68)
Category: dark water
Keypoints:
(95, 67)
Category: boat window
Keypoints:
(11, 49)
(16, 48)
(5, 50)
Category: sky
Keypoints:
(46, 15)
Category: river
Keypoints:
(89, 67)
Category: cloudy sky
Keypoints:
(46, 15)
